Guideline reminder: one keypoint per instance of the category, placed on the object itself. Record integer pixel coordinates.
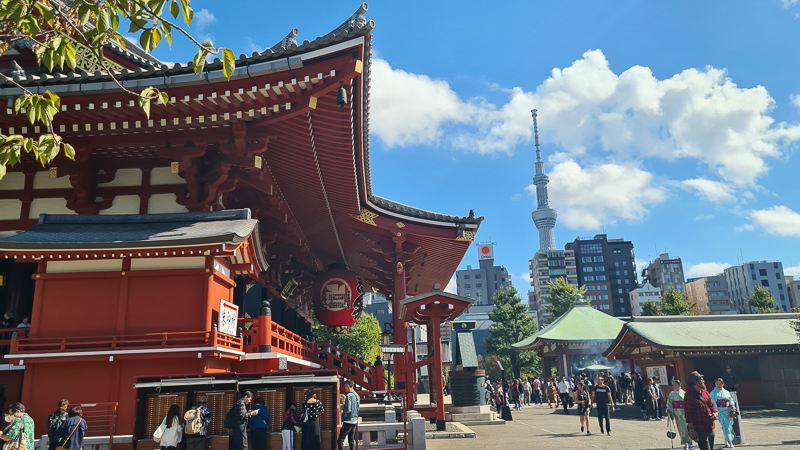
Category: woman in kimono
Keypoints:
(678, 415)
(724, 402)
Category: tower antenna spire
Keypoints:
(544, 217)
(536, 136)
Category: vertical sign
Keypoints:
(228, 317)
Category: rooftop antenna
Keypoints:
(742, 253)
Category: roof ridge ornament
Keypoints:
(287, 42)
(355, 21)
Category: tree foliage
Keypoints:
(54, 28)
(511, 324)
(673, 303)
(362, 339)
(763, 301)
(562, 297)
(650, 308)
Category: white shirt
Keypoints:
(563, 387)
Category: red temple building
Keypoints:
(236, 196)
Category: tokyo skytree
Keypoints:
(544, 217)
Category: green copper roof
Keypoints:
(705, 332)
(582, 323)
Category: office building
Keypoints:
(483, 282)
(710, 294)
(607, 269)
(546, 267)
(642, 294)
(743, 278)
(665, 272)
(793, 291)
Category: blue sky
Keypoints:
(670, 124)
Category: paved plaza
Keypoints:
(543, 428)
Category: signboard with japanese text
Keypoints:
(228, 317)
(658, 371)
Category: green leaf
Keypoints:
(199, 61)
(157, 6)
(174, 9)
(146, 40)
(112, 13)
(120, 40)
(47, 12)
(48, 148)
(188, 13)
(103, 23)
(70, 55)
(144, 103)
(84, 14)
(69, 151)
(229, 62)
(55, 100)
(2, 171)
(167, 28)
(33, 26)
(156, 37)
(164, 98)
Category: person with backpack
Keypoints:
(259, 424)
(196, 425)
(54, 423)
(289, 427)
(349, 416)
(73, 430)
(237, 419)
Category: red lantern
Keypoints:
(338, 298)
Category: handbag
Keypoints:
(671, 434)
(159, 432)
(16, 444)
(61, 447)
(734, 412)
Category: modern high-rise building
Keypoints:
(544, 217)
(642, 294)
(482, 283)
(665, 272)
(607, 269)
(743, 278)
(710, 294)
(547, 267)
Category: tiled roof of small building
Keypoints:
(79, 232)
(581, 323)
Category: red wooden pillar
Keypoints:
(437, 374)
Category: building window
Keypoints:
(624, 263)
(775, 265)
(624, 272)
(622, 309)
(762, 272)
(783, 298)
(598, 258)
(780, 286)
(591, 248)
(616, 263)
(752, 267)
(588, 278)
(619, 291)
(777, 276)
(586, 259)
(477, 285)
(602, 297)
(588, 269)
(467, 286)
(477, 275)
(616, 250)
(602, 287)
(466, 277)
(765, 283)
(627, 281)
(590, 287)
(753, 276)
(601, 278)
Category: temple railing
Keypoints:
(177, 340)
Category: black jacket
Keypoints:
(54, 423)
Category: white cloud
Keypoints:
(778, 220)
(451, 287)
(792, 271)
(706, 269)
(789, 3)
(409, 109)
(795, 99)
(704, 217)
(252, 47)
(203, 19)
(521, 282)
(696, 114)
(713, 191)
(588, 197)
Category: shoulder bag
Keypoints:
(61, 447)
(19, 442)
(160, 431)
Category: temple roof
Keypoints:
(88, 232)
(581, 323)
(710, 332)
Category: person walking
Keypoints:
(700, 412)
(499, 396)
(349, 416)
(536, 386)
(677, 414)
(731, 380)
(22, 430)
(54, 423)
(240, 417)
(584, 403)
(489, 392)
(201, 411)
(173, 431)
(288, 428)
(625, 384)
(73, 430)
(727, 410)
(563, 393)
(527, 391)
(601, 395)
(638, 391)
(612, 384)
(552, 393)
(312, 409)
(259, 425)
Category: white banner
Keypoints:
(228, 318)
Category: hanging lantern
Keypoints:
(341, 96)
(338, 298)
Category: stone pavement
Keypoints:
(540, 427)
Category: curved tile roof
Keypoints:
(581, 323)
